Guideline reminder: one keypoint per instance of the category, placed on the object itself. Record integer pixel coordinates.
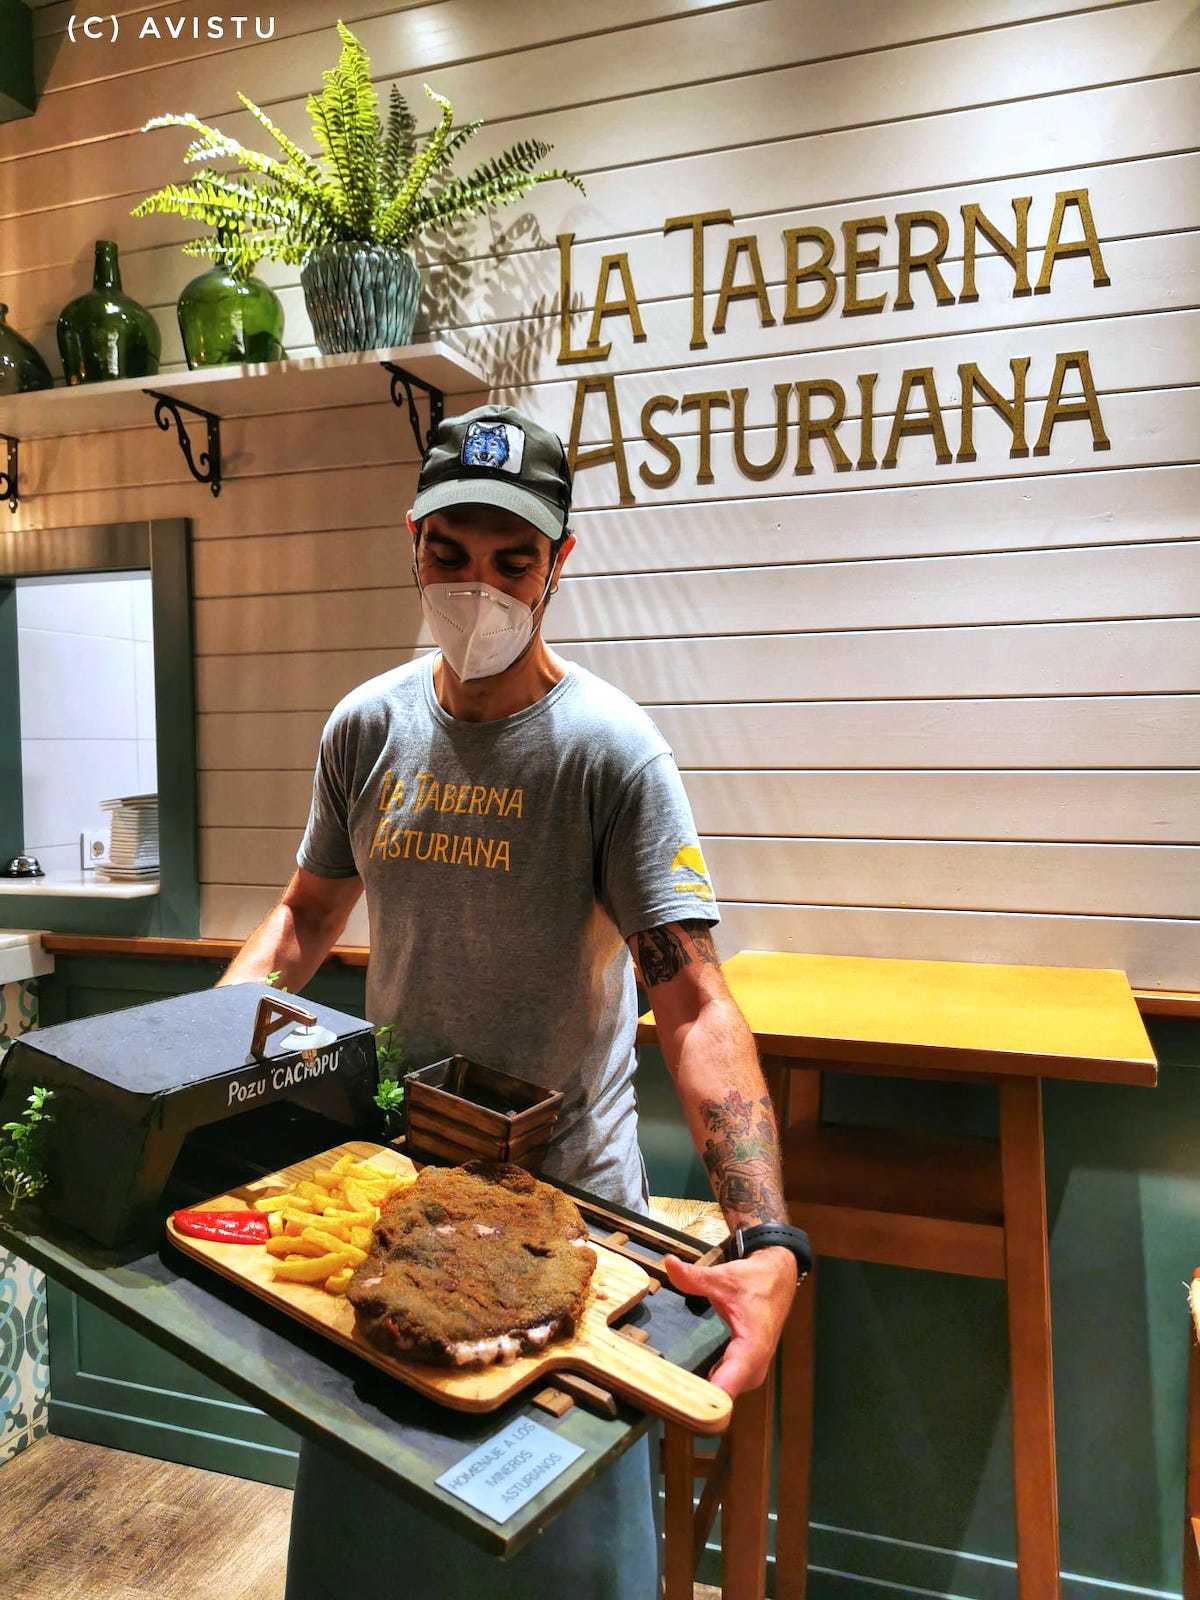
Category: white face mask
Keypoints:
(480, 630)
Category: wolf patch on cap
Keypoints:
(494, 444)
(495, 456)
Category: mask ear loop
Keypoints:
(555, 547)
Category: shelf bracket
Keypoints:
(437, 401)
(10, 482)
(166, 411)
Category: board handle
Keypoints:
(641, 1374)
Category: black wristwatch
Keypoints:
(745, 1241)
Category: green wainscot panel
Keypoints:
(110, 1386)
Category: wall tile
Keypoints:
(147, 767)
(87, 694)
(54, 857)
(64, 781)
(101, 605)
(144, 688)
(76, 686)
(139, 594)
(24, 1343)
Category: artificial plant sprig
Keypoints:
(374, 181)
(393, 1064)
(23, 1149)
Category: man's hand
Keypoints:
(753, 1297)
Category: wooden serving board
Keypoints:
(595, 1350)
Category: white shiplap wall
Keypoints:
(942, 711)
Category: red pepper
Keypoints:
(226, 1227)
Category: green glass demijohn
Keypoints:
(21, 367)
(224, 318)
(104, 334)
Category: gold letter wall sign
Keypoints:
(697, 222)
(747, 435)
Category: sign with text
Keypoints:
(817, 417)
(507, 1470)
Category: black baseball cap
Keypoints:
(494, 456)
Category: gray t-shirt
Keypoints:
(504, 864)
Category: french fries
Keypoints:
(321, 1227)
(301, 1269)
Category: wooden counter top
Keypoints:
(957, 1016)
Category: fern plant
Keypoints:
(374, 182)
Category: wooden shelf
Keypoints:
(307, 384)
(210, 394)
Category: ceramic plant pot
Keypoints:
(360, 296)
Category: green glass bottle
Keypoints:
(21, 367)
(224, 318)
(105, 334)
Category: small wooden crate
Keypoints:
(460, 1110)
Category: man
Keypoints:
(520, 829)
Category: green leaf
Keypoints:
(455, 142)
(389, 1096)
(345, 120)
(469, 196)
(22, 1160)
(297, 159)
(392, 228)
(398, 147)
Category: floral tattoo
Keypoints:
(741, 1152)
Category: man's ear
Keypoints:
(568, 545)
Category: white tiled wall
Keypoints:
(87, 705)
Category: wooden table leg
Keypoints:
(1191, 1559)
(798, 1104)
(1035, 1482)
(747, 1495)
(678, 1569)
(797, 1371)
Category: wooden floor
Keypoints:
(79, 1522)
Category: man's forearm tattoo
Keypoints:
(741, 1152)
(662, 953)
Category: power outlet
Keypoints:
(93, 849)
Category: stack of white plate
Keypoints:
(133, 845)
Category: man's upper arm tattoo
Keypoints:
(662, 953)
